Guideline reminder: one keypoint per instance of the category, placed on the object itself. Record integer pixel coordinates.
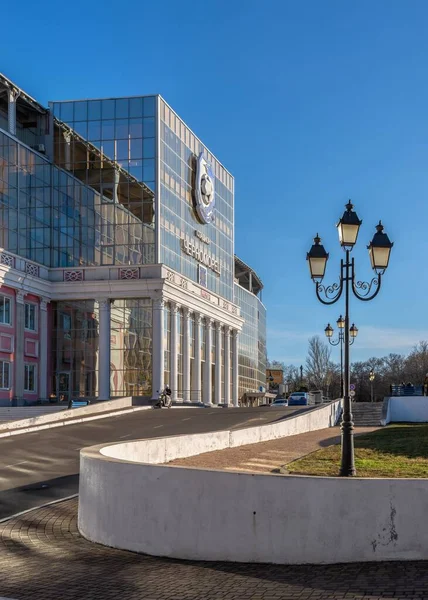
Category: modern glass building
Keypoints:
(117, 263)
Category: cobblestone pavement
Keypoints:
(267, 457)
(43, 557)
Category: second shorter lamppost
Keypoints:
(353, 332)
(371, 379)
(379, 253)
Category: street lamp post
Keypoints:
(353, 331)
(371, 378)
(379, 253)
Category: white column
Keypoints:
(235, 374)
(104, 349)
(158, 356)
(173, 384)
(18, 365)
(207, 397)
(227, 366)
(186, 354)
(43, 353)
(196, 383)
(116, 186)
(11, 114)
(217, 386)
(67, 150)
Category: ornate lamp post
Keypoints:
(353, 331)
(371, 378)
(379, 252)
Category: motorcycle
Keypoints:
(165, 401)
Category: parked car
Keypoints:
(298, 399)
(280, 403)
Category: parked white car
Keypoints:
(280, 403)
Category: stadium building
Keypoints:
(117, 265)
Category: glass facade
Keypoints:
(50, 216)
(75, 348)
(110, 146)
(131, 347)
(178, 151)
(251, 342)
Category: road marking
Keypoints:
(125, 436)
(18, 463)
(157, 426)
(188, 419)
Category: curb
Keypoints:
(24, 512)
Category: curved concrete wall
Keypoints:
(129, 500)
(213, 515)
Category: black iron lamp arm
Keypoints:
(336, 343)
(363, 289)
(331, 293)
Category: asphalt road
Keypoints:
(43, 466)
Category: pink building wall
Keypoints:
(31, 346)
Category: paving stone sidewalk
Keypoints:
(268, 457)
(43, 557)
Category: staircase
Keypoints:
(366, 414)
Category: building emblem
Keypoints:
(204, 190)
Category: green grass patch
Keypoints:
(394, 451)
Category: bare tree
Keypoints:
(318, 365)
(417, 363)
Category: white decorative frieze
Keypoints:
(129, 273)
(31, 269)
(170, 276)
(74, 275)
(6, 259)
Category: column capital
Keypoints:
(235, 333)
(158, 303)
(44, 303)
(103, 303)
(13, 94)
(67, 136)
(218, 326)
(227, 331)
(175, 308)
(187, 312)
(20, 296)
(209, 322)
(198, 318)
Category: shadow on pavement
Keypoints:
(22, 498)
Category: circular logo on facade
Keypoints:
(204, 190)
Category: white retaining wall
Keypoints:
(200, 514)
(407, 409)
(162, 450)
(57, 414)
(126, 502)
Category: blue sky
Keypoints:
(307, 104)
